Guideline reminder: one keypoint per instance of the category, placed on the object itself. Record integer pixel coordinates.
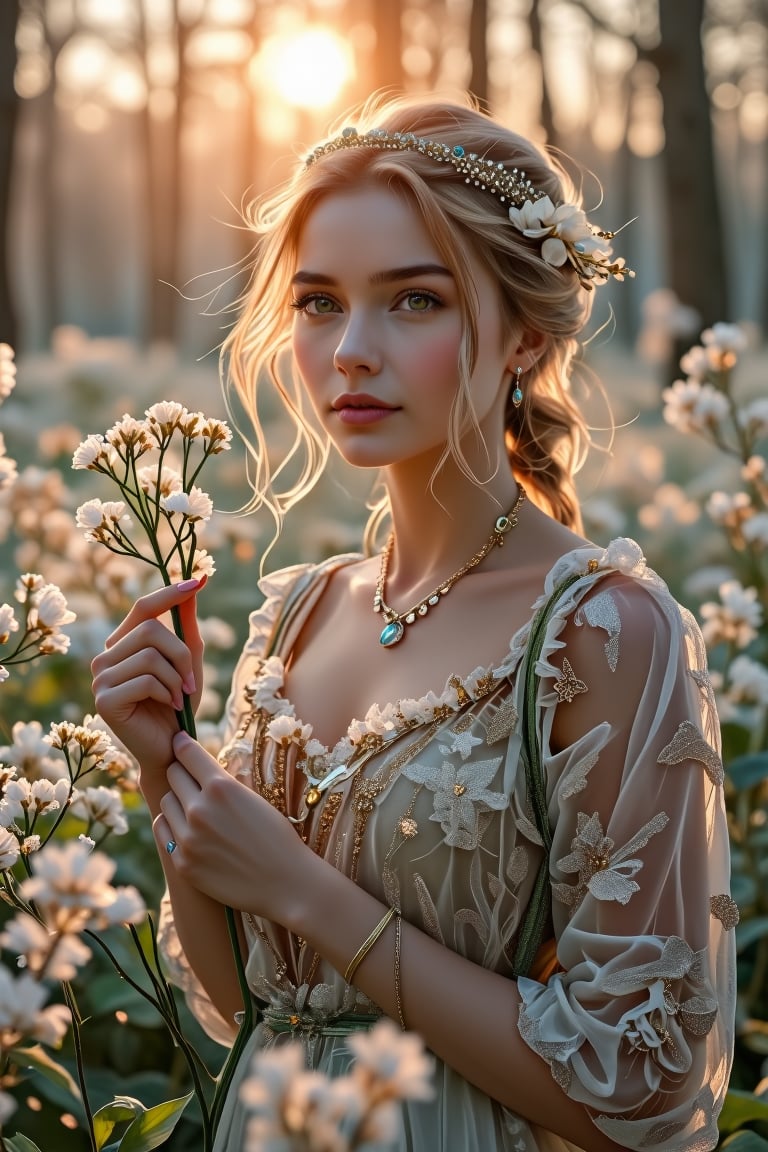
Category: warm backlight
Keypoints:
(308, 69)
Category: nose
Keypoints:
(357, 351)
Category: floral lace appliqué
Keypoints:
(600, 611)
(461, 794)
(605, 873)
(689, 744)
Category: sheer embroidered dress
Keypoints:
(636, 1022)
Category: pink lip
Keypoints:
(360, 408)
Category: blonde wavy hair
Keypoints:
(546, 437)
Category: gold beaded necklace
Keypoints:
(394, 628)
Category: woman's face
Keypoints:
(378, 329)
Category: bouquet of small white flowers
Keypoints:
(294, 1109)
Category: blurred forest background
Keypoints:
(132, 130)
(131, 134)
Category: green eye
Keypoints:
(419, 301)
(323, 305)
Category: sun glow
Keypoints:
(306, 70)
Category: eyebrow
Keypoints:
(390, 276)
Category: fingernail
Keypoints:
(187, 585)
(178, 703)
(189, 685)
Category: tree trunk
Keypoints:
(537, 45)
(9, 108)
(697, 271)
(388, 59)
(478, 51)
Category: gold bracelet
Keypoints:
(366, 946)
(398, 984)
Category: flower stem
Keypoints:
(244, 1032)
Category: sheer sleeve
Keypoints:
(638, 1022)
(274, 588)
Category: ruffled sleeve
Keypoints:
(262, 622)
(638, 1023)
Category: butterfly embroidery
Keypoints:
(568, 685)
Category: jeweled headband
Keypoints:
(566, 234)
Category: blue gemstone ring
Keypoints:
(171, 847)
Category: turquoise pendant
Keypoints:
(517, 397)
(391, 633)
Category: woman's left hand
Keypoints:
(230, 843)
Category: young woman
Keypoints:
(404, 749)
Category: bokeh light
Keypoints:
(307, 69)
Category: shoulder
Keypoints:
(621, 638)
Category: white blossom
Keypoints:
(725, 337)
(697, 363)
(100, 805)
(92, 450)
(753, 417)
(129, 433)
(691, 406)
(167, 415)
(754, 468)
(33, 798)
(50, 609)
(218, 433)
(22, 1011)
(736, 619)
(397, 1061)
(9, 849)
(69, 876)
(101, 516)
(729, 510)
(8, 623)
(755, 529)
(29, 751)
(202, 565)
(194, 505)
(748, 681)
(55, 955)
(126, 907)
(165, 481)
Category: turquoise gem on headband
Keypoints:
(391, 633)
(458, 151)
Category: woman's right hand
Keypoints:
(139, 679)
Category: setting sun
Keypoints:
(308, 69)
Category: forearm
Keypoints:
(201, 926)
(466, 1014)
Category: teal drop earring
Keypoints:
(517, 392)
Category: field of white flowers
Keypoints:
(93, 1060)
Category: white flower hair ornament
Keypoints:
(568, 237)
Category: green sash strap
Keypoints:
(536, 914)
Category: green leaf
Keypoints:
(42, 1061)
(751, 930)
(739, 1109)
(19, 1143)
(747, 771)
(746, 1141)
(121, 1110)
(154, 1126)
